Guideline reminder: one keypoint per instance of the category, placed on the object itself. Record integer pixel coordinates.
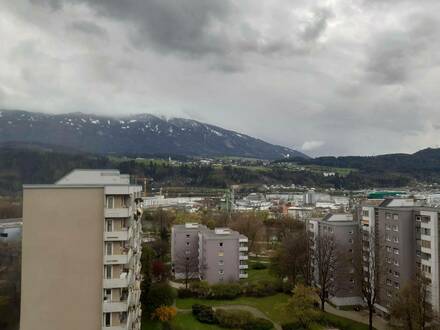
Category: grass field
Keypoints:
(272, 306)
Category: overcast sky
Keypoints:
(332, 77)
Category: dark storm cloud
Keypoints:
(330, 77)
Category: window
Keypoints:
(221, 263)
(396, 285)
(107, 294)
(426, 231)
(388, 248)
(187, 235)
(109, 225)
(350, 240)
(396, 274)
(389, 283)
(110, 202)
(351, 232)
(396, 239)
(426, 244)
(187, 243)
(187, 252)
(221, 254)
(221, 272)
(426, 269)
(388, 216)
(108, 319)
(395, 217)
(396, 251)
(388, 260)
(388, 238)
(365, 213)
(396, 262)
(220, 244)
(3, 234)
(109, 248)
(108, 271)
(387, 226)
(395, 227)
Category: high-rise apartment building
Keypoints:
(401, 238)
(217, 255)
(81, 253)
(343, 231)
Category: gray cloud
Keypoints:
(339, 77)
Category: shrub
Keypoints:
(293, 326)
(258, 265)
(263, 288)
(204, 314)
(160, 294)
(258, 324)
(224, 291)
(233, 318)
(164, 313)
(288, 287)
(185, 293)
(200, 289)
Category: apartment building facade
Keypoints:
(401, 238)
(343, 230)
(218, 255)
(81, 253)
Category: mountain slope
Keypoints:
(137, 134)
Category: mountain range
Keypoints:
(141, 134)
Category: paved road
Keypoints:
(362, 317)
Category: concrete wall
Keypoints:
(211, 259)
(179, 247)
(62, 266)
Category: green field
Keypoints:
(185, 321)
(272, 306)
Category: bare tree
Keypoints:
(325, 263)
(186, 266)
(292, 257)
(411, 309)
(251, 225)
(367, 269)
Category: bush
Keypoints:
(288, 287)
(160, 294)
(224, 291)
(200, 289)
(293, 326)
(204, 313)
(258, 324)
(186, 293)
(164, 313)
(263, 288)
(258, 265)
(233, 318)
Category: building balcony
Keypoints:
(125, 280)
(123, 212)
(243, 266)
(117, 327)
(243, 275)
(118, 259)
(123, 235)
(243, 257)
(114, 306)
(243, 249)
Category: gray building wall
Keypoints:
(220, 263)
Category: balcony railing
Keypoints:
(122, 282)
(122, 235)
(117, 259)
(243, 249)
(123, 212)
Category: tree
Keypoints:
(249, 224)
(164, 313)
(186, 266)
(368, 273)
(146, 271)
(411, 309)
(160, 294)
(159, 270)
(301, 307)
(325, 262)
(291, 265)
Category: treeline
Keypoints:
(20, 166)
(394, 169)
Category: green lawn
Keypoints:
(258, 275)
(185, 321)
(272, 306)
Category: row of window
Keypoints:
(388, 238)
(389, 226)
(390, 283)
(390, 249)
